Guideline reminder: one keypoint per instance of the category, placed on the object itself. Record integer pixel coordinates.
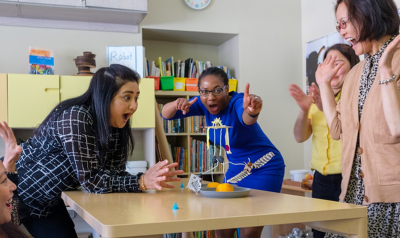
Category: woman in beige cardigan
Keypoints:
(367, 118)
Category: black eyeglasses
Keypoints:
(215, 92)
(342, 25)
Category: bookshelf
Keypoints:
(218, 48)
(186, 139)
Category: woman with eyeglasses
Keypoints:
(326, 152)
(244, 140)
(367, 117)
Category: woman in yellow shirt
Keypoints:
(326, 152)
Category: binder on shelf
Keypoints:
(167, 83)
(232, 85)
(191, 84)
(179, 84)
(156, 82)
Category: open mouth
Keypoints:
(351, 40)
(213, 107)
(126, 116)
(9, 203)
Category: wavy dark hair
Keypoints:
(9, 230)
(374, 18)
(345, 50)
(103, 87)
(214, 71)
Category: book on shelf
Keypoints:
(201, 157)
(159, 64)
(169, 64)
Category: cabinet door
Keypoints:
(73, 3)
(3, 97)
(73, 86)
(31, 98)
(144, 117)
(132, 5)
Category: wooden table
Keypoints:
(145, 214)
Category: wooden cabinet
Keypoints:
(3, 98)
(71, 3)
(131, 5)
(144, 117)
(31, 98)
(73, 86)
(99, 15)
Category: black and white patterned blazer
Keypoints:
(64, 156)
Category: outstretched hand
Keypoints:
(304, 101)
(252, 104)
(385, 63)
(159, 174)
(184, 105)
(327, 70)
(13, 150)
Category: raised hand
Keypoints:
(252, 104)
(304, 101)
(184, 105)
(327, 70)
(385, 63)
(13, 150)
(159, 174)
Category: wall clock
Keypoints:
(197, 4)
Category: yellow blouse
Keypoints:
(326, 152)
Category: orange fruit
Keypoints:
(212, 185)
(224, 187)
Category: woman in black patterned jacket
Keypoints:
(84, 141)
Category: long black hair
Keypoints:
(103, 87)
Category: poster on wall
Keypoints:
(315, 54)
(129, 56)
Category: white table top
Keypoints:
(136, 214)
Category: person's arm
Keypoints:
(169, 110)
(302, 128)
(325, 72)
(13, 150)
(390, 90)
(252, 105)
(76, 132)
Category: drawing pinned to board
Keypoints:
(315, 54)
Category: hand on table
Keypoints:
(159, 174)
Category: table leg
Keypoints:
(354, 228)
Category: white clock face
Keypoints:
(197, 4)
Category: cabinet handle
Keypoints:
(49, 90)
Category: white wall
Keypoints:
(269, 51)
(318, 19)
